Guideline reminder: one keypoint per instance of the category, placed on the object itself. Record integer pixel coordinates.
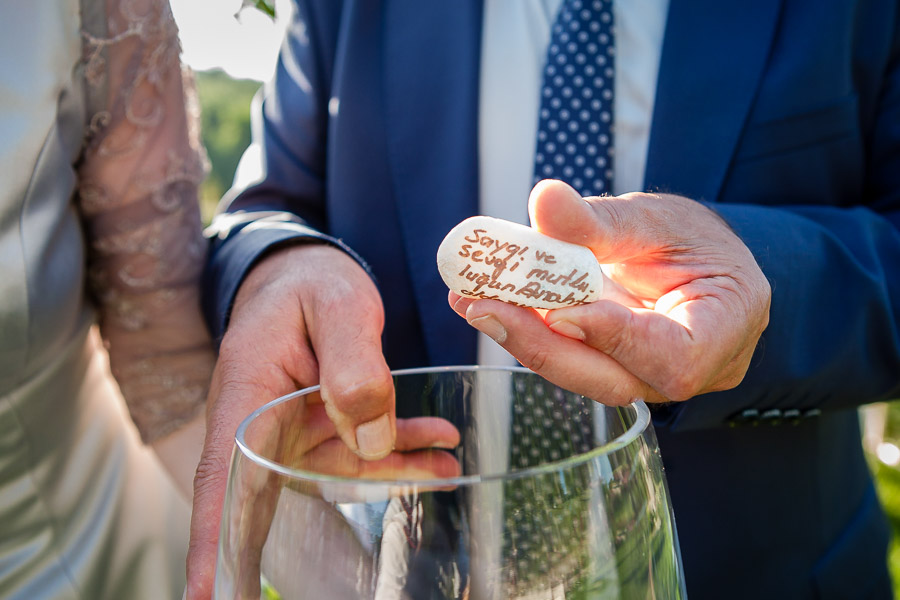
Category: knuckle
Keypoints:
(610, 213)
(609, 327)
(359, 396)
(211, 474)
(535, 358)
(732, 376)
(698, 361)
(730, 382)
(360, 291)
(345, 301)
(765, 306)
(620, 394)
(614, 341)
(680, 386)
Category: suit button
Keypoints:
(771, 416)
(792, 415)
(749, 416)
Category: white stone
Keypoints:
(484, 257)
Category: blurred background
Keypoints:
(881, 431)
(232, 52)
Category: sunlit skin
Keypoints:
(306, 314)
(689, 305)
(418, 449)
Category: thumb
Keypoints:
(615, 228)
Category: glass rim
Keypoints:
(641, 421)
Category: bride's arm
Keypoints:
(138, 197)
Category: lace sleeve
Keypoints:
(138, 197)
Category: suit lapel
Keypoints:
(432, 60)
(713, 57)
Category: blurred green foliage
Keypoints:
(887, 483)
(225, 128)
(265, 6)
(268, 592)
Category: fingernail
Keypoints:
(568, 329)
(461, 304)
(443, 445)
(491, 327)
(374, 438)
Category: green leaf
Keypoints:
(267, 592)
(266, 6)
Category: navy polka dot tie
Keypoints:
(546, 518)
(575, 125)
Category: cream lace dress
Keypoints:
(99, 165)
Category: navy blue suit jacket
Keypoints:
(783, 115)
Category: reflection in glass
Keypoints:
(502, 486)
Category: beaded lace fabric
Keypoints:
(138, 181)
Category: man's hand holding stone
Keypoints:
(685, 308)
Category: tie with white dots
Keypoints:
(575, 126)
(545, 543)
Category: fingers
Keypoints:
(567, 362)
(234, 402)
(335, 458)
(208, 498)
(314, 427)
(426, 432)
(614, 354)
(345, 330)
(679, 359)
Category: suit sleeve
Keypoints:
(279, 193)
(833, 341)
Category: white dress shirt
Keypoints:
(515, 37)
